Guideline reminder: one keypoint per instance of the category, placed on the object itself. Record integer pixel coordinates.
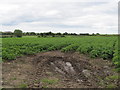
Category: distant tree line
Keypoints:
(16, 33)
(19, 33)
(47, 33)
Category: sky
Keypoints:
(72, 16)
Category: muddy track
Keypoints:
(58, 70)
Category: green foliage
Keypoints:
(95, 46)
(49, 81)
(8, 56)
(94, 53)
(85, 48)
(114, 77)
(116, 56)
(58, 46)
(72, 47)
(111, 86)
(22, 86)
(116, 60)
(18, 33)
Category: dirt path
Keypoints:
(58, 70)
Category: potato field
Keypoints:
(93, 46)
(55, 62)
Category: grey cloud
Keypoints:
(77, 16)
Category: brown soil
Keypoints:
(57, 70)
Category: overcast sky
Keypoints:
(79, 16)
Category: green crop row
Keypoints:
(15, 47)
(94, 49)
(71, 47)
(116, 56)
(94, 46)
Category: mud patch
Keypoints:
(57, 70)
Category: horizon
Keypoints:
(61, 33)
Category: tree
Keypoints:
(7, 33)
(93, 34)
(32, 33)
(97, 34)
(65, 33)
(18, 33)
(24, 33)
(42, 34)
(27, 33)
(58, 33)
(73, 34)
(84, 34)
(53, 34)
(37, 33)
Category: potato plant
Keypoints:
(94, 46)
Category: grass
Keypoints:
(111, 86)
(49, 81)
(23, 85)
(114, 77)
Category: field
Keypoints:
(95, 47)
(103, 47)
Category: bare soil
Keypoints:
(55, 69)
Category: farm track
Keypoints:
(55, 69)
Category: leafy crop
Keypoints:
(94, 46)
(71, 47)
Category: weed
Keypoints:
(111, 86)
(114, 77)
(49, 81)
(23, 85)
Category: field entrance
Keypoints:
(55, 69)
